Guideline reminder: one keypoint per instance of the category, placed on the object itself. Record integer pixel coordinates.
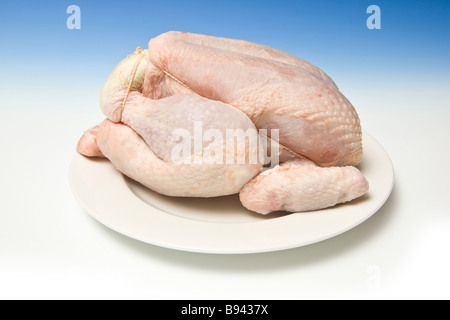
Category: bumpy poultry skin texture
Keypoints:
(274, 89)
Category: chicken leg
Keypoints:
(132, 156)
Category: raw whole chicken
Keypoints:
(170, 110)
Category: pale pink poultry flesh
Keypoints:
(230, 84)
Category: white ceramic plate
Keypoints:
(219, 225)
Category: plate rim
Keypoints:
(84, 203)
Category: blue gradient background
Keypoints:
(45, 63)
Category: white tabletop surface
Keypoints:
(51, 248)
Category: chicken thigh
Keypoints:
(131, 155)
